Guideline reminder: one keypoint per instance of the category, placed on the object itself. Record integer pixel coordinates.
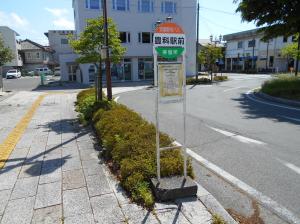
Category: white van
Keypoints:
(45, 71)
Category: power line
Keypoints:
(218, 10)
(219, 25)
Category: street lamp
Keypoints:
(169, 18)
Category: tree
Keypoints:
(290, 50)
(277, 18)
(6, 55)
(90, 43)
(208, 57)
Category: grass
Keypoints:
(284, 86)
(129, 144)
(216, 219)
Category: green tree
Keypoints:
(6, 55)
(277, 18)
(290, 51)
(208, 57)
(90, 42)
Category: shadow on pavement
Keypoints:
(255, 110)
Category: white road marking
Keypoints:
(265, 201)
(290, 166)
(248, 94)
(226, 90)
(291, 118)
(238, 137)
(117, 98)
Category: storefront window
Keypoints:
(146, 69)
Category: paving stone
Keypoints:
(72, 163)
(97, 185)
(171, 216)
(73, 179)
(80, 219)
(31, 169)
(48, 215)
(8, 178)
(48, 195)
(25, 187)
(87, 155)
(50, 175)
(4, 197)
(19, 211)
(194, 210)
(106, 209)
(76, 202)
(136, 215)
(72, 152)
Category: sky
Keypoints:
(32, 18)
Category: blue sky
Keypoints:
(31, 18)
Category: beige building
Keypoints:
(246, 51)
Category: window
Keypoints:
(92, 4)
(271, 62)
(125, 37)
(37, 55)
(251, 43)
(145, 37)
(145, 6)
(168, 7)
(121, 5)
(240, 44)
(285, 39)
(64, 41)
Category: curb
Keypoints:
(277, 99)
(213, 205)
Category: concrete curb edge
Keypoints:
(277, 99)
(213, 205)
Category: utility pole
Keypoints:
(197, 46)
(107, 60)
(298, 56)
(253, 45)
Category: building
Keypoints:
(10, 40)
(136, 21)
(246, 51)
(59, 42)
(36, 56)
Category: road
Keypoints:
(254, 140)
(21, 84)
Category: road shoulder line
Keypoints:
(265, 201)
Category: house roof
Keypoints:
(46, 48)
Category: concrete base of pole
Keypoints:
(172, 188)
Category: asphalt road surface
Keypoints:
(254, 140)
(21, 84)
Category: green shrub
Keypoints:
(194, 81)
(285, 86)
(221, 78)
(130, 143)
(216, 219)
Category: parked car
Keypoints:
(13, 74)
(30, 73)
(57, 71)
(45, 71)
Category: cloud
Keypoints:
(64, 23)
(60, 18)
(57, 12)
(13, 20)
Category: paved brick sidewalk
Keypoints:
(54, 176)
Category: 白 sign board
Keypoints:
(169, 40)
(170, 81)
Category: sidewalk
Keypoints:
(54, 175)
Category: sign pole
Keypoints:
(184, 118)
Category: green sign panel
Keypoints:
(169, 52)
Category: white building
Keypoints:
(59, 42)
(10, 40)
(36, 56)
(136, 21)
(245, 51)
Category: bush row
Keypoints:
(129, 144)
(285, 86)
(194, 81)
(221, 78)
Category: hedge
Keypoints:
(285, 86)
(129, 144)
(201, 80)
(221, 78)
